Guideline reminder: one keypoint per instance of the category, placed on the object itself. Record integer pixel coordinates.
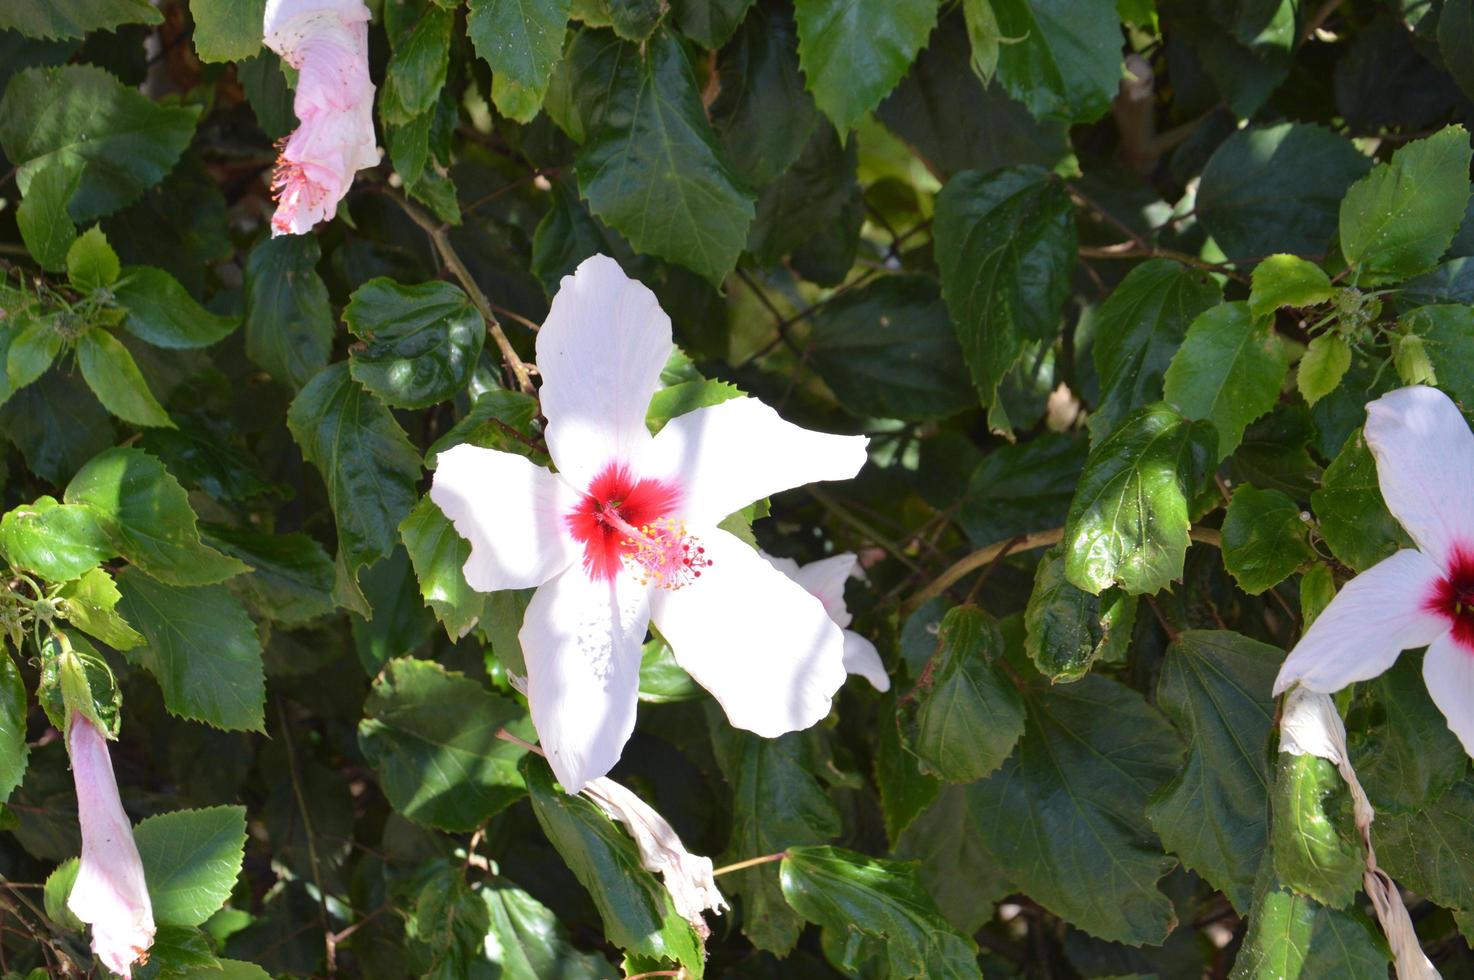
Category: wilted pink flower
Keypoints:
(110, 893)
(327, 42)
(625, 534)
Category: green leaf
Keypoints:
(438, 554)
(1022, 487)
(653, 132)
(905, 791)
(14, 752)
(58, 889)
(1138, 329)
(1228, 371)
(1063, 57)
(75, 18)
(59, 542)
(1324, 363)
(882, 900)
(964, 715)
(1128, 523)
(1399, 219)
(180, 951)
(522, 41)
(636, 909)
(776, 804)
(1290, 935)
(57, 425)
(1316, 850)
(291, 577)
(1069, 629)
(1405, 755)
(957, 869)
(1430, 849)
(82, 119)
(1456, 40)
(1065, 818)
(91, 606)
(763, 115)
(687, 396)
(416, 71)
(191, 859)
(1287, 280)
(431, 735)
(32, 350)
(1005, 242)
(1354, 520)
(1215, 687)
(854, 53)
(202, 649)
(45, 226)
(527, 941)
(163, 313)
(227, 30)
(1276, 189)
(147, 515)
(1264, 538)
(888, 350)
(710, 23)
(400, 622)
(114, 378)
(813, 193)
(420, 342)
(289, 324)
(1447, 335)
(368, 464)
(91, 261)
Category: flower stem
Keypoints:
(749, 863)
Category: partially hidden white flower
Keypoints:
(825, 580)
(110, 893)
(1417, 597)
(625, 533)
(327, 42)
(688, 877)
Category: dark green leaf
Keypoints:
(438, 554)
(888, 349)
(521, 40)
(147, 515)
(1456, 40)
(420, 342)
(687, 396)
(191, 859)
(1063, 57)
(399, 621)
(1276, 189)
(1406, 757)
(811, 194)
(368, 464)
(763, 116)
(905, 791)
(1128, 523)
(82, 119)
(75, 18)
(710, 23)
(289, 325)
(1069, 629)
(1021, 488)
(202, 649)
(1430, 849)
(1264, 538)
(1006, 245)
(527, 941)
(956, 868)
(114, 378)
(161, 312)
(1316, 850)
(964, 715)
(1228, 371)
(59, 542)
(57, 425)
(1353, 519)
(1290, 935)
(853, 54)
(291, 577)
(1069, 807)
(882, 900)
(227, 30)
(1215, 686)
(1399, 219)
(654, 129)
(1447, 334)
(416, 72)
(431, 734)
(636, 909)
(14, 752)
(1138, 329)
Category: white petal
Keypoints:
(756, 640)
(1373, 618)
(581, 640)
(600, 353)
(787, 566)
(861, 657)
(1448, 669)
(1425, 464)
(1310, 725)
(825, 580)
(511, 510)
(726, 456)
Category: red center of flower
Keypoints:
(1453, 596)
(624, 522)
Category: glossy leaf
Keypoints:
(1069, 629)
(1316, 850)
(114, 378)
(58, 542)
(1264, 538)
(1063, 58)
(75, 18)
(521, 40)
(161, 312)
(420, 342)
(289, 325)
(1353, 518)
(191, 859)
(1229, 371)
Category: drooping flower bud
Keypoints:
(110, 893)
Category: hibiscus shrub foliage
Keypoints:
(1107, 284)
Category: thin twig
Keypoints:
(452, 260)
(891, 547)
(329, 941)
(507, 736)
(749, 863)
